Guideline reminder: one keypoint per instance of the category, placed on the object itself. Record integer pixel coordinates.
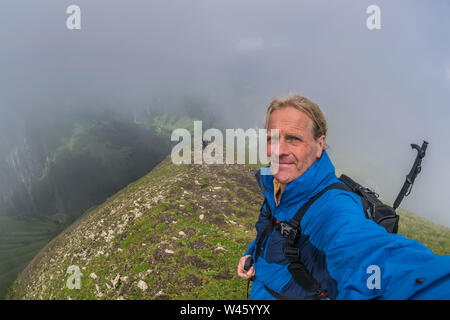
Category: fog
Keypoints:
(381, 90)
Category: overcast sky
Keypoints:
(381, 90)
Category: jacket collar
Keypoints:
(318, 176)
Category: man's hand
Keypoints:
(241, 271)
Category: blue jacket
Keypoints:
(349, 255)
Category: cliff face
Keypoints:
(20, 169)
(88, 163)
(176, 233)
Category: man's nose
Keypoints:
(283, 148)
(279, 148)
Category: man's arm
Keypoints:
(366, 261)
(247, 274)
(261, 220)
(250, 248)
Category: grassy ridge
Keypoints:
(434, 236)
(176, 233)
(179, 230)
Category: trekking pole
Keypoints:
(415, 170)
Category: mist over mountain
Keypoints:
(61, 164)
(381, 90)
(85, 112)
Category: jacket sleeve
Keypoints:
(250, 249)
(262, 220)
(366, 261)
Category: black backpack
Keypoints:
(374, 209)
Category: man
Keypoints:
(348, 255)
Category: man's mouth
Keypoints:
(285, 164)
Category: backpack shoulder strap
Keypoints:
(268, 230)
(295, 221)
(291, 232)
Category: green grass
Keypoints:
(434, 236)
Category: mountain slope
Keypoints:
(176, 233)
(179, 229)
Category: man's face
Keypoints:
(297, 148)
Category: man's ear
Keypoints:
(321, 146)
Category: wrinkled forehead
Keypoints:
(288, 120)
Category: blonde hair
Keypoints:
(304, 105)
